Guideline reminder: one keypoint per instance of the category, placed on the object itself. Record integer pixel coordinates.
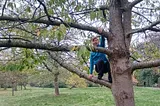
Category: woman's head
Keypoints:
(95, 41)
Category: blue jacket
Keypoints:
(96, 56)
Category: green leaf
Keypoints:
(28, 9)
(50, 11)
(10, 4)
(78, 8)
(83, 52)
(63, 28)
(92, 15)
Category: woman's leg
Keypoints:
(100, 69)
(107, 69)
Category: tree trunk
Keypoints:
(21, 86)
(119, 42)
(13, 88)
(24, 85)
(56, 85)
(122, 87)
(5, 86)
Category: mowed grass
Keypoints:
(99, 96)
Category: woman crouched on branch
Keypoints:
(99, 60)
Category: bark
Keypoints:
(120, 24)
(56, 85)
(50, 47)
(78, 72)
(147, 64)
(55, 23)
(13, 88)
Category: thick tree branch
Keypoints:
(56, 23)
(148, 64)
(78, 72)
(150, 27)
(50, 47)
(100, 49)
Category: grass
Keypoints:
(76, 97)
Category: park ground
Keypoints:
(93, 96)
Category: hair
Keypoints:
(92, 39)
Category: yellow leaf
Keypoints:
(38, 33)
(74, 48)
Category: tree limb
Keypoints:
(150, 27)
(4, 7)
(49, 69)
(148, 64)
(50, 47)
(135, 2)
(101, 7)
(100, 49)
(78, 72)
(56, 23)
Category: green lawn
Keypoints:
(76, 97)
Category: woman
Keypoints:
(99, 60)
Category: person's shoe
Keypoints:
(99, 77)
(110, 81)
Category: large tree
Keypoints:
(32, 24)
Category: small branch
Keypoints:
(134, 59)
(78, 72)
(4, 7)
(49, 69)
(4, 49)
(135, 2)
(14, 38)
(26, 31)
(142, 16)
(148, 64)
(102, 7)
(45, 9)
(35, 11)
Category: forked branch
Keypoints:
(150, 27)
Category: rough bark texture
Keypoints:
(120, 23)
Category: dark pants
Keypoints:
(102, 68)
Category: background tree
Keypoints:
(145, 51)
(29, 24)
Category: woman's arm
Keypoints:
(102, 41)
